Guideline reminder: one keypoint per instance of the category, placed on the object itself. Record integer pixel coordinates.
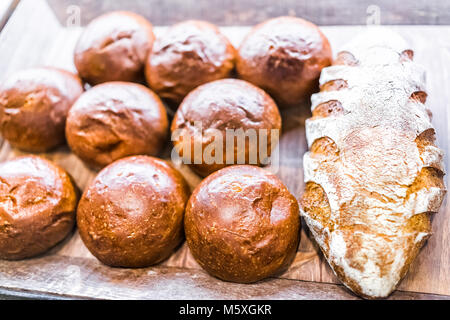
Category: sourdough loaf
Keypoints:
(373, 173)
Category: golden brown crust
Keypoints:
(114, 120)
(334, 85)
(284, 56)
(33, 107)
(315, 202)
(327, 109)
(37, 206)
(242, 224)
(221, 105)
(324, 146)
(419, 96)
(406, 55)
(131, 215)
(426, 138)
(189, 54)
(113, 47)
(427, 178)
(346, 59)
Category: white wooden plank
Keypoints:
(6, 8)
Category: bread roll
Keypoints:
(242, 224)
(284, 57)
(131, 215)
(373, 174)
(189, 54)
(114, 120)
(37, 206)
(33, 107)
(220, 106)
(113, 47)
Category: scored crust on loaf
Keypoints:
(373, 173)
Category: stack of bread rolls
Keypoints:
(241, 222)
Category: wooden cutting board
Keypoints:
(33, 36)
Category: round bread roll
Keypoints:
(113, 47)
(284, 56)
(114, 120)
(221, 106)
(131, 215)
(191, 53)
(33, 107)
(37, 206)
(242, 224)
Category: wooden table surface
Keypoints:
(250, 12)
(37, 34)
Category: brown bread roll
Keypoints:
(131, 215)
(242, 224)
(37, 206)
(114, 120)
(189, 54)
(284, 56)
(221, 105)
(33, 107)
(113, 47)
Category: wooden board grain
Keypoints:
(250, 12)
(67, 277)
(34, 36)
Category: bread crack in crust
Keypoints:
(374, 175)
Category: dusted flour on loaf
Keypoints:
(373, 173)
